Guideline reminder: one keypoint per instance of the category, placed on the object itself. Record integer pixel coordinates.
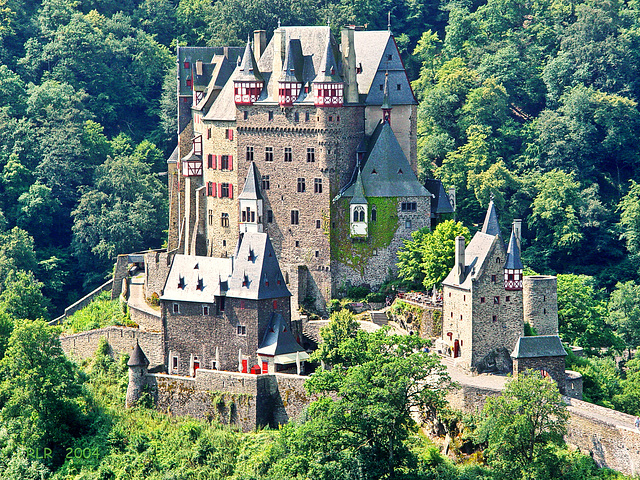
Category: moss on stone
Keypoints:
(356, 253)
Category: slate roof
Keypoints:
(173, 158)
(278, 339)
(386, 171)
(491, 225)
(206, 56)
(251, 190)
(294, 62)
(358, 191)
(329, 68)
(256, 271)
(138, 358)
(475, 256)
(197, 279)
(539, 346)
(224, 106)
(513, 254)
(248, 70)
(440, 202)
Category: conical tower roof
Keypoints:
(514, 262)
(293, 64)
(138, 358)
(251, 190)
(491, 225)
(358, 191)
(248, 69)
(328, 67)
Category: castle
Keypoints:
(327, 136)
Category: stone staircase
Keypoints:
(379, 318)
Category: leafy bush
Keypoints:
(358, 292)
(101, 312)
(376, 297)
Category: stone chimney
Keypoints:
(259, 43)
(517, 229)
(349, 65)
(459, 266)
(279, 50)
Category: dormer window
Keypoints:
(252, 256)
(200, 284)
(266, 280)
(245, 280)
(181, 283)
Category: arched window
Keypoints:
(358, 214)
(355, 215)
(362, 215)
(374, 214)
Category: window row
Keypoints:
(219, 190)
(220, 162)
(228, 133)
(287, 154)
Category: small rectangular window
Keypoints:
(311, 154)
(318, 224)
(294, 217)
(265, 182)
(208, 133)
(507, 298)
(301, 185)
(176, 308)
(481, 299)
(246, 115)
(317, 253)
(496, 300)
(268, 154)
(270, 116)
(224, 162)
(306, 116)
(242, 329)
(317, 185)
(493, 278)
(399, 87)
(249, 154)
(174, 362)
(269, 216)
(495, 318)
(288, 155)
(296, 117)
(407, 223)
(205, 310)
(209, 161)
(224, 219)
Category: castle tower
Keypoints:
(247, 85)
(251, 203)
(540, 303)
(328, 87)
(137, 364)
(513, 266)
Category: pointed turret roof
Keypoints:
(329, 67)
(278, 339)
(248, 69)
(358, 191)
(491, 225)
(513, 254)
(251, 190)
(386, 101)
(294, 62)
(138, 358)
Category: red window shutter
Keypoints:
(275, 304)
(230, 190)
(220, 190)
(230, 162)
(215, 162)
(214, 189)
(230, 134)
(186, 64)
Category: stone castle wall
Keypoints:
(122, 340)
(554, 366)
(540, 303)
(245, 400)
(145, 320)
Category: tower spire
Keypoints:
(491, 225)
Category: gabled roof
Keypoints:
(224, 106)
(539, 346)
(440, 203)
(196, 279)
(138, 358)
(248, 70)
(513, 254)
(256, 271)
(386, 171)
(173, 158)
(491, 225)
(294, 62)
(329, 68)
(191, 55)
(278, 339)
(251, 190)
(475, 257)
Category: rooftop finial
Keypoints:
(278, 23)
(491, 197)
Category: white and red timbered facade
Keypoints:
(512, 279)
(247, 93)
(288, 92)
(328, 94)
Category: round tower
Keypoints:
(137, 364)
(540, 303)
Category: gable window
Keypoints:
(399, 87)
(288, 156)
(311, 154)
(265, 182)
(294, 217)
(268, 154)
(301, 185)
(317, 185)
(224, 220)
(249, 154)
(389, 57)
(242, 329)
